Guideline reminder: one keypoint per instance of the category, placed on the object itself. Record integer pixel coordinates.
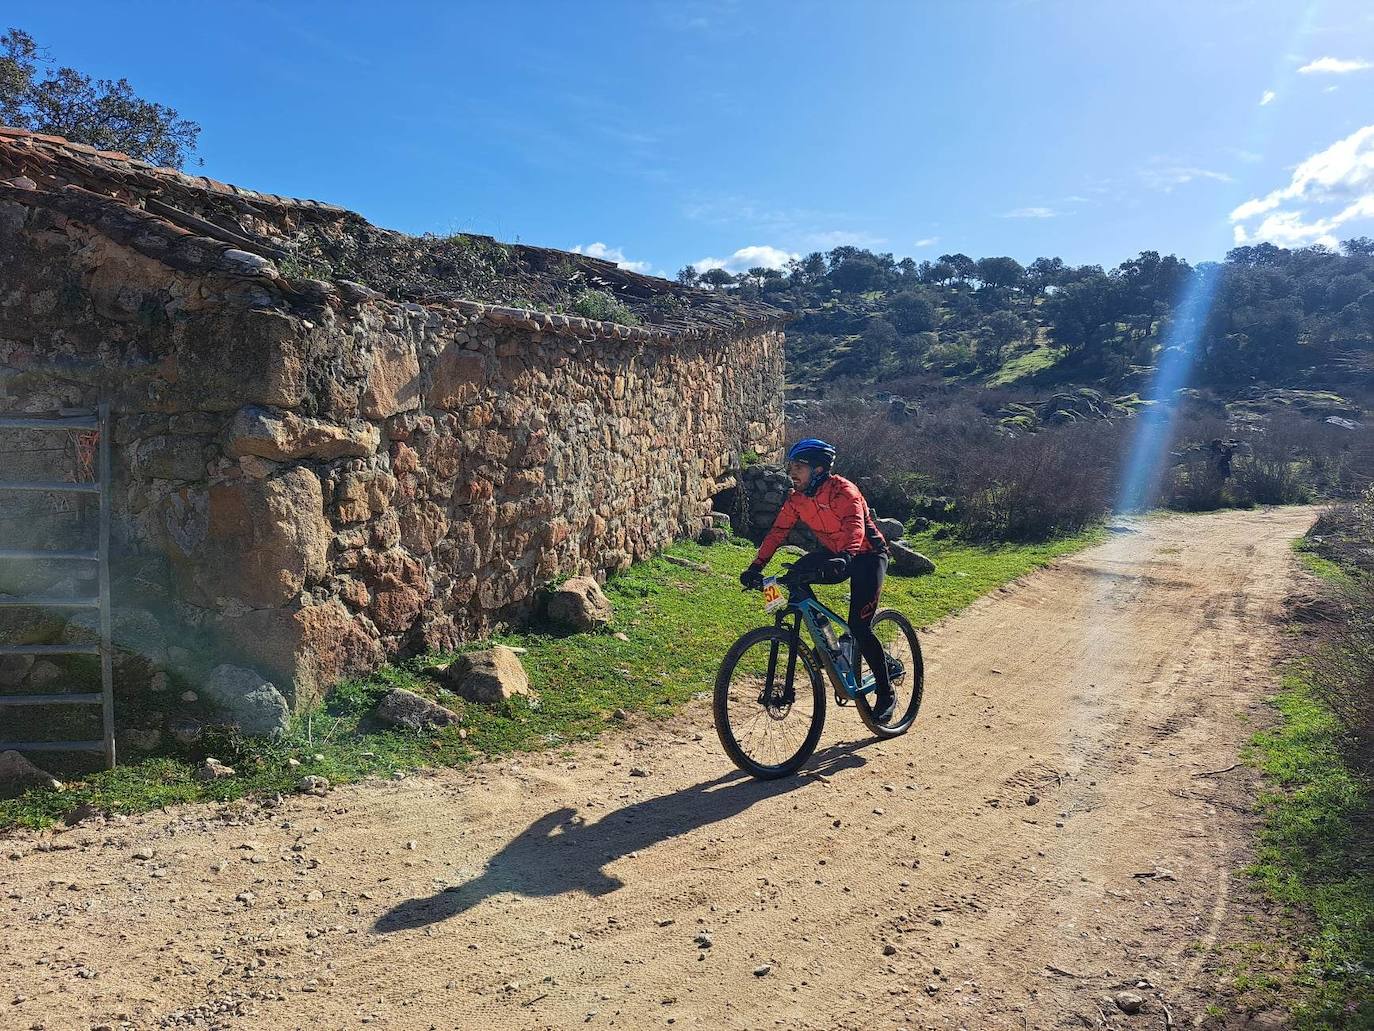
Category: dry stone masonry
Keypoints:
(312, 476)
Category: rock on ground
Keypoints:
(907, 561)
(711, 535)
(892, 529)
(18, 773)
(251, 702)
(580, 604)
(213, 769)
(402, 708)
(489, 676)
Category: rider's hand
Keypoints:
(752, 578)
(836, 569)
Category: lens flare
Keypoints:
(1154, 432)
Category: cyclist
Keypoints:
(852, 547)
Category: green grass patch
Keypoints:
(1309, 860)
(678, 621)
(1025, 363)
(1332, 572)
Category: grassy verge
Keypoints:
(677, 623)
(1309, 859)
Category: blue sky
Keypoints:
(700, 131)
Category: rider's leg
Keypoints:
(867, 573)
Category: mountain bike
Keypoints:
(769, 700)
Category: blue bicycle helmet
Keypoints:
(815, 453)
(812, 452)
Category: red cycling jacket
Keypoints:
(838, 515)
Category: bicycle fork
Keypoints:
(771, 695)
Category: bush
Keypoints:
(1267, 481)
(1342, 666)
(1040, 486)
(1197, 487)
(601, 306)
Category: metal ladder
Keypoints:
(100, 423)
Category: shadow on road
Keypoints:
(560, 852)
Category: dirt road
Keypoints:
(640, 882)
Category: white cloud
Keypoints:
(747, 258)
(1268, 97)
(1034, 212)
(1339, 180)
(824, 241)
(1169, 176)
(1334, 66)
(927, 241)
(615, 254)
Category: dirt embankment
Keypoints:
(1050, 833)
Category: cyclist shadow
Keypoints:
(561, 852)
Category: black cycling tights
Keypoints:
(866, 575)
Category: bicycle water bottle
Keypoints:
(847, 649)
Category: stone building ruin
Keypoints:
(332, 443)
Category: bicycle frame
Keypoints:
(810, 610)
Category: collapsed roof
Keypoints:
(307, 239)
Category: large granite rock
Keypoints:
(907, 561)
(402, 708)
(580, 604)
(246, 699)
(892, 529)
(489, 676)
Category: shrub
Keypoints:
(1039, 486)
(1196, 487)
(1342, 665)
(601, 306)
(1267, 481)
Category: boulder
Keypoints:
(721, 521)
(402, 708)
(489, 676)
(18, 774)
(711, 535)
(892, 529)
(248, 700)
(907, 561)
(580, 604)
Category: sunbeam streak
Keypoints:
(1177, 358)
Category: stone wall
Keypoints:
(310, 478)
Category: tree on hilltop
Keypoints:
(101, 113)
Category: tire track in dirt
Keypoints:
(909, 886)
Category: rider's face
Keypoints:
(800, 473)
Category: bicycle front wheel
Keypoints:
(769, 703)
(906, 670)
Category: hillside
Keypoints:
(1264, 317)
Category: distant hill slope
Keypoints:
(1264, 317)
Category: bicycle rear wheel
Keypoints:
(769, 703)
(906, 670)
